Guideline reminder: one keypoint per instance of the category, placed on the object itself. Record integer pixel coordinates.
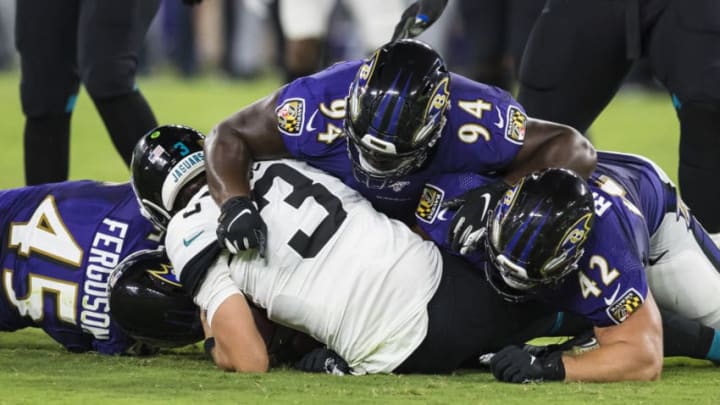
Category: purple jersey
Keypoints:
(485, 130)
(611, 282)
(640, 181)
(59, 244)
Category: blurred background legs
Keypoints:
(7, 34)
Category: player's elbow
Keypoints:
(586, 156)
(650, 359)
(550, 144)
(224, 136)
(241, 359)
(252, 359)
(649, 340)
(244, 364)
(582, 157)
(653, 372)
(648, 370)
(224, 364)
(258, 366)
(643, 359)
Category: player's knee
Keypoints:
(50, 96)
(109, 79)
(36, 106)
(700, 140)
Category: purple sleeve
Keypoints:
(486, 124)
(611, 283)
(290, 112)
(104, 224)
(433, 218)
(310, 110)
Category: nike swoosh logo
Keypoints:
(441, 214)
(243, 212)
(652, 261)
(612, 299)
(191, 239)
(485, 197)
(309, 126)
(501, 121)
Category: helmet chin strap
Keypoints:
(368, 180)
(492, 275)
(146, 205)
(517, 283)
(368, 167)
(514, 284)
(376, 179)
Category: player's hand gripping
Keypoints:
(469, 224)
(513, 364)
(323, 360)
(240, 226)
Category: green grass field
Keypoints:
(36, 370)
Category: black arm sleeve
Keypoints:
(195, 270)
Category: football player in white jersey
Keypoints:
(373, 292)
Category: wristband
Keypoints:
(554, 366)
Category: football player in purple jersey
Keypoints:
(595, 249)
(60, 242)
(429, 311)
(383, 126)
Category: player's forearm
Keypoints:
(570, 150)
(242, 359)
(220, 359)
(227, 160)
(640, 360)
(233, 145)
(562, 147)
(240, 362)
(239, 344)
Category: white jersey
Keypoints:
(335, 268)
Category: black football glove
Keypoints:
(513, 364)
(240, 226)
(418, 17)
(191, 2)
(323, 360)
(469, 224)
